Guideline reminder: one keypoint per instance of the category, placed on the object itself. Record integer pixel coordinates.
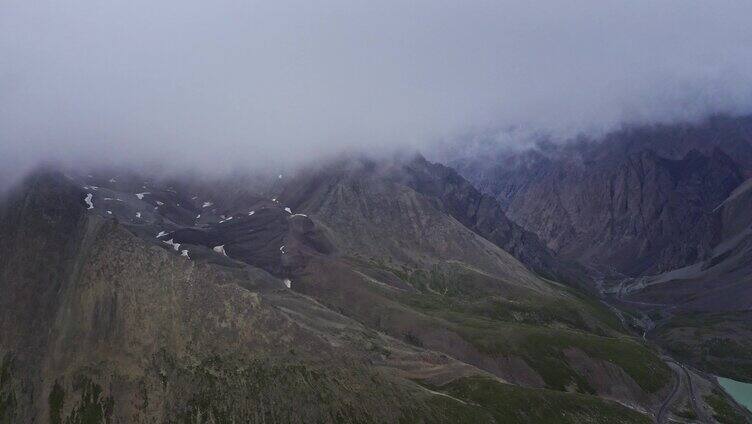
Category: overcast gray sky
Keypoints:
(227, 82)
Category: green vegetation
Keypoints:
(509, 320)
(719, 343)
(503, 403)
(92, 408)
(686, 412)
(457, 288)
(723, 412)
(8, 402)
(56, 401)
(233, 389)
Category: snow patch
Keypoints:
(288, 210)
(109, 212)
(198, 216)
(207, 204)
(300, 214)
(174, 245)
(141, 195)
(138, 214)
(161, 233)
(88, 201)
(159, 203)
(220, 249)
(112, 180)
(185, 253)
(287, 282)
(251, 213)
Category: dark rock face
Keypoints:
(265, 239)
(635, 203)
(40, 234)
(447, 191)
(101, 325)
(666, 207)
(484, 215)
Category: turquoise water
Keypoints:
(741, 392)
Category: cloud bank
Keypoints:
(244, 83)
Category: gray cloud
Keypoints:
(246, 83)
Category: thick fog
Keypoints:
(221, 84)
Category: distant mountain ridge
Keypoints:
(662, 212)
(631, 202)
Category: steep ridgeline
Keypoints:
(98, 324)
(704, 309)
(456, 197)
(668, 206)
(638, 202)
(425, 279)
(352, 294)
(483, 214)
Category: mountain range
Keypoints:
(594, 281)
(661, 214)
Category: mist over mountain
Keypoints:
(248, 84)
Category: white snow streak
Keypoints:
(88, 201)
(174, 245)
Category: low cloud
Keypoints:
(225, 84)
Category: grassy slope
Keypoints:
(504, 403)
(513, 321)
(718, 343)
